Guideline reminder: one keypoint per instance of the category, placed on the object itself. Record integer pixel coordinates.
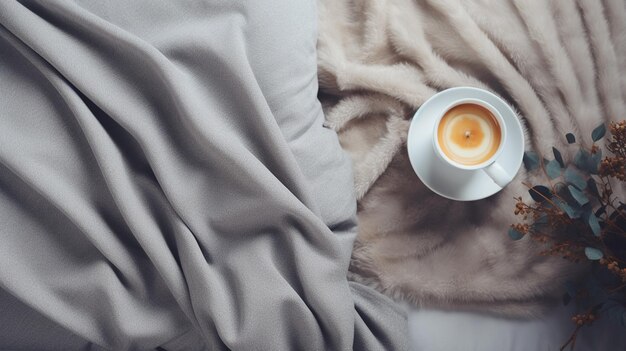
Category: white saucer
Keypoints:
(444, 179)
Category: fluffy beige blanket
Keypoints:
(560, 64)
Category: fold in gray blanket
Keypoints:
(165, 181)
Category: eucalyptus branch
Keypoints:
(577, 216)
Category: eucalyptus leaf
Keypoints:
(515, 234)
(580, 159)
(587, 210)
(570, 138)
(598, 133)
(560, 188)
(594, 224)
(570, 200)
(540, 193)
(540, 222)
(592, 187)
(574, 177)
(586, 161)
(593, 254)
(571, 288)
(558, 157)
(566, 299)
(600, 211)
(531, 160)
(578, 195)
(593, 162)
(569, 210)
(553, 169)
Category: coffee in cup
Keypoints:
(469, 134)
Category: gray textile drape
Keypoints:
(165, 180)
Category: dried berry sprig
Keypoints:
(579, 320)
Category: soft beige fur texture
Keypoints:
(560, 64)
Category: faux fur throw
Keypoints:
(560, 64)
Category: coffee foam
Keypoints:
(469, 134)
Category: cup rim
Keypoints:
(501, 124)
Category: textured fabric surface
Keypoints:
(166, 180)
(432, 330)
(560, 64)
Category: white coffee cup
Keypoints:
(490, 166)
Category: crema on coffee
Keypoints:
(469, 134)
